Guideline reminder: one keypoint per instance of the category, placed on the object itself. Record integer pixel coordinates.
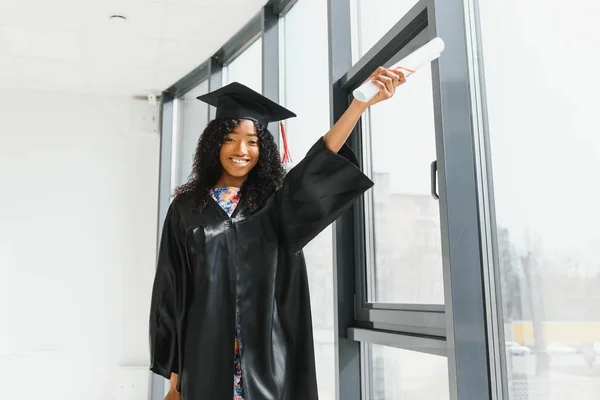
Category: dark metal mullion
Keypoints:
(406, 307)
(468, 362)
(157, 387)
(166, 135)
(215, 82)
(270, 61)
(418, 343)
(348, 355)
(496, 334)
(431, 323)
(281, 7)
(402, 328)
(361, 264)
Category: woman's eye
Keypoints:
(253, 142)
(228, 140)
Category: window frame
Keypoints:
(412, 31)
(462, 330)
(459, 328)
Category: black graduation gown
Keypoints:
(208, 261)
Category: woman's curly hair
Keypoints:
(264, 179)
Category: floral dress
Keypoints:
(228, 198)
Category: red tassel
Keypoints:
(287, 158)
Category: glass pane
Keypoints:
(545, 152)
(246, 68)
(311, 103)
(374, 18)
(405, 252)
(193, 117)
(398, 374)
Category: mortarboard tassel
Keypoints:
(287, 158)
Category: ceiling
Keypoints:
(72, 45)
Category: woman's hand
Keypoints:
(173, 395)
(387, 80)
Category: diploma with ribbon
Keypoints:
(408, 66)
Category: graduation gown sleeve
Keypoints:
(166, 297)
(317, 191)
(314, 194)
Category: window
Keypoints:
(373, 19)
(545, 150)
(398, 374)
(246, 68)
(311, 104)
(192, 121)
(404, 247)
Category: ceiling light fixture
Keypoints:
(118, 19)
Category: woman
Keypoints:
(230, 298)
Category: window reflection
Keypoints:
(398, 374)
(405, 256)
(545, 151)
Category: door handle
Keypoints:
(434, 193)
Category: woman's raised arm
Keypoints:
(387, 80)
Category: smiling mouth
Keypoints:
(240, 161)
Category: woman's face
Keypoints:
(240, 150)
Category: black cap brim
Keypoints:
(238, 101)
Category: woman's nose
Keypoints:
(241, 149)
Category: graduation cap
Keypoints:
(238, 101)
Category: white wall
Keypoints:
(78, 199)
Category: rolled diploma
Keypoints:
(415, 60)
